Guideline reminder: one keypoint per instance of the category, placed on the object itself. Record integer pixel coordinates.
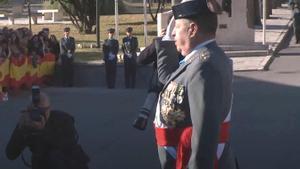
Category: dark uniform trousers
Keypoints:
(67, 49)
(194, 103)
(67, 70)
(111, 72)
(129, 71)
(110, 51)
(129, 47)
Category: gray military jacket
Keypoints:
(198, 94)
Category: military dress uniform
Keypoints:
(67, 50)
(110, 51)
(296, 15)
(193, 111)
(130, 47)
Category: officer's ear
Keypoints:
(193, 29)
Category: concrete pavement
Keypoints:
(266, 110)
(278, 28)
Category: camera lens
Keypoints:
(35, 90)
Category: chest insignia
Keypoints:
(172, 104)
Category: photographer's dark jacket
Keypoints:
(56, 142)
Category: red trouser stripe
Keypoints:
(181, 139)
(224, 132)
(184, 148)
(216, 163)
(167, 136)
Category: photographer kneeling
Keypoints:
(50, 136)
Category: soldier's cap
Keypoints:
(111, 30)
(129, 29)
(45, 29)
(67, 29)
(191, 9)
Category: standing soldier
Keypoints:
(110, 51)
(67, 50)
(193, 110)
(295, 5)
(130, 47)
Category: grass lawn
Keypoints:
(88, 54)
(134, 20)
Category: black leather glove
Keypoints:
(141, 121)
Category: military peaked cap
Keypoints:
(190, 9)
(111, 30)
(45, 29)
(129, 29)
(67, 29)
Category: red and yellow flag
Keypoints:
(18, 71)
(4, 72)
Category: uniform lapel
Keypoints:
(66, 42)
(176, 73)
(201, 53)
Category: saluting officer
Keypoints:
(67, 50)
(130, 47)
(110, 51)
(193, 111)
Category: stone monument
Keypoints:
(237, 29)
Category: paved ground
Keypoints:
(266, 114)
(277, 27)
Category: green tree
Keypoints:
(3, 1)
(159, 8)
(82, 13)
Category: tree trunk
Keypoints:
(160, 5)
(81, 12)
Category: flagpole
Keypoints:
(145, 22)
(116, 19)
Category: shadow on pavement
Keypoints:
(265, 124)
